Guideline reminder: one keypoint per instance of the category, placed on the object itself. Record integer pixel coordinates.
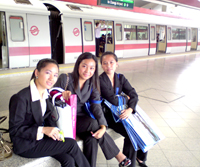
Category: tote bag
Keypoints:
(65, 112)
(141, 130)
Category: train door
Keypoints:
(106, 42)
(152, 39)
(73, 39)
(169, 39)
(194, 39)
(18, 46)
(3, 42)
(56, 34)
(38, 28)
(119, 41)
(88, 35)
(188, 39)
(161, 38)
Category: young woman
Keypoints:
(84, 82)
(32, 130)
(109, 81)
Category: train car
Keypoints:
(24, 33)
(31, 30)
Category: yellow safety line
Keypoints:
(123, 60)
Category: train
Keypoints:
(31, 30)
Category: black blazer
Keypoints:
(109, 93)
(82, 96)
(24, 118)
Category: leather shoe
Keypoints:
(142, 164)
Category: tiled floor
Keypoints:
(169, 92)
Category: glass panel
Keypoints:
(169, 33)
(142, 32)
(88, 31)
(118, 32)
(129, 32)
(182, 33)
(178, 33)
(194, 34)
(17, 28)
(109, 34)
(189, 34)
(175, 33)
(153, 33)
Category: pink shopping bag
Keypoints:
(65, 113)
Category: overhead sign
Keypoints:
(127, 4)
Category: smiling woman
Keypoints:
(32, 130)
(84, 82)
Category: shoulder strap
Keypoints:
(67, 81)
(117, 89)
(94, 101)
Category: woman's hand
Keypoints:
(126, 113)
(99, 133)
(66, 94)
(128, 97)
(52, 132)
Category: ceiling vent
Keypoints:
(23, 2)
(73, 7)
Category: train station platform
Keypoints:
(168, 86)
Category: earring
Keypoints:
(36, 77)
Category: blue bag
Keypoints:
(141, 130)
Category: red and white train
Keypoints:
(31, 30)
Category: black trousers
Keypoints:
(67, 153)
(84, 126)
(97, 46)
(128, 148)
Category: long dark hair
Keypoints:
(94, 79)
(43, 63)
(108, 53)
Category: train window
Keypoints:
(23, 1)
(17, 28)
(88, 31)
(129, 32)
(153, 33)
(118, 32)
(178, 33)
(169, 34)
(142, 32)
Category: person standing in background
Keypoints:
(98, 29)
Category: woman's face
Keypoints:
(86, 69)
(47, 76)
(109, 64)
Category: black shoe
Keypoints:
(125, 163)
(142, 164)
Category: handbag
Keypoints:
(5, 146)
(65, 111)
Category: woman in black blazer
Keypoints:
(109, 81)
(84, 82)
(32, 130)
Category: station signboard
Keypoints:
(126, 4)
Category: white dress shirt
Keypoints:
(98, 30)
(35, 96)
